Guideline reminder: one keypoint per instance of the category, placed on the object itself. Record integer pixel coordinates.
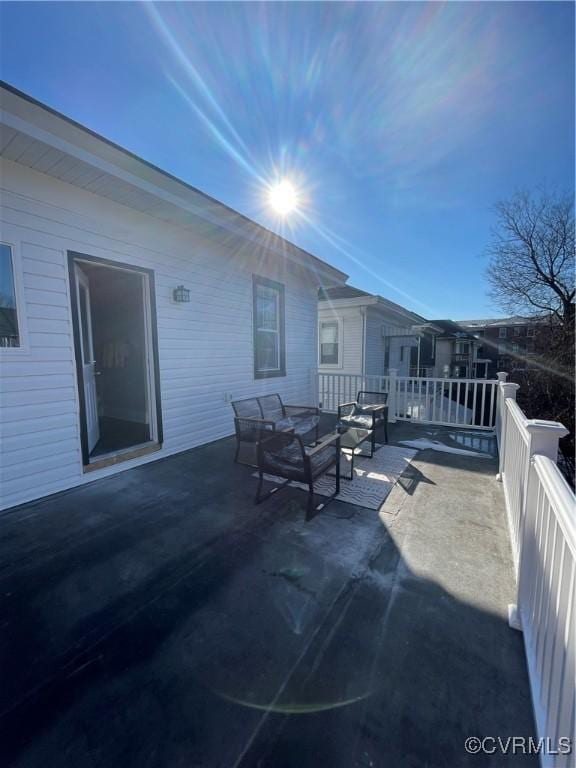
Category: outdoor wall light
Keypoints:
(181, 294)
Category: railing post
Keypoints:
(393, 375)
(505, 390)
(315, 382)
(502, 376)
(544, 437)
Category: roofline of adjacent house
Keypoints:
(513, 320)
(372, 300)
(268, 234)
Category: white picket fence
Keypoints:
(449, 402)
(541, 510)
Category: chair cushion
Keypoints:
(283, 424)
(306, 424)
(362, 420)
(286, 462)
(323, 460)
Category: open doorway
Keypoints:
(116, 360)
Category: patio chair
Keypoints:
(256, 416)
(283, 454)
(368, 411)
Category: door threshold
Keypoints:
(125, 454)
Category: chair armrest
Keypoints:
(323, 444)
(250, 424)
(342, 406)
(303, 409)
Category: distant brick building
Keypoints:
(507, 342)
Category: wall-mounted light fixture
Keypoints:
(181, 294)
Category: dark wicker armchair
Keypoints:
(368, 411)
(283, 454)
(256, 416)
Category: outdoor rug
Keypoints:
(373, 478)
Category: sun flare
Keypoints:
(283, 197)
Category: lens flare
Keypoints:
(283, 198)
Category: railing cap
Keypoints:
(542, 426)
(502, 376)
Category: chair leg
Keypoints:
(310, 505)
(258, 499)
(386, 430)
(237, 451)
(337, 477)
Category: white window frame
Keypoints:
(502, 332)
(21, 314)
(279, 289)
(340, 325)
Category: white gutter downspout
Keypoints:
(363, 313)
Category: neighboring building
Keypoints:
(454, 352)
(134, 308)
(361, 333)
(508, 343)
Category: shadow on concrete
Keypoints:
(158, 618)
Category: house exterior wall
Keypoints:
(375, 343)
(443, 358)
(205, 347)
(351, 341)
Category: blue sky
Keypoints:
(401, 123)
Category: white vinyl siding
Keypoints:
(375, 351)
(350, 338)
(205, 346)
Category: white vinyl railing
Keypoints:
(541, 511)
(546, 603)
(334, 389)
(449, 402)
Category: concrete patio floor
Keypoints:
(159, 618)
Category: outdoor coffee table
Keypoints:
(351, 439)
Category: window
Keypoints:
(502, 333)
(531, 331)
(269, 344)
(462, 348)
(329, 335)
(515, 348)
(9, 326)
(517, 330)
(502, 349)
(502, 363)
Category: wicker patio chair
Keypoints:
(256, 416)
(368, 411)
(283, 454)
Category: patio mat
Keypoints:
(373, 478)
